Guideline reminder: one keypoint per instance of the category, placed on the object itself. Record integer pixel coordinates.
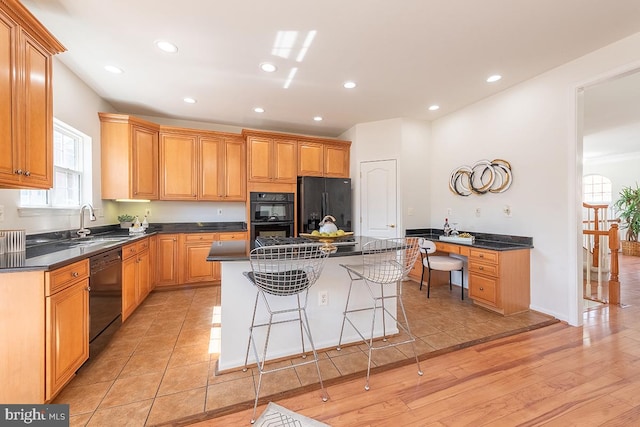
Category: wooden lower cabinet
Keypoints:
(66, 324)
(167, 260)
(182, 258)
(499, 280)
(195, 249)
(67, 334)
(22, 324)
(136, 276)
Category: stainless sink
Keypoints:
(87, 242)
(98, 239)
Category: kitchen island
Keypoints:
(238, 297)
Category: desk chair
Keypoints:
(282, 276)
(384, 264)
(439, 263)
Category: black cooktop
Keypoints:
(276, 240)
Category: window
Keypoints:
(596, 189)
(71, 171)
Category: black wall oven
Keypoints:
(272, 214)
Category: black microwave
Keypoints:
(271, 207)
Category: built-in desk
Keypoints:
(498, 270)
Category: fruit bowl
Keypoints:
(327, 240)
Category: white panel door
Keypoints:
(378, 199)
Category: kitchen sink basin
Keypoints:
(78, 242)
(97, 239)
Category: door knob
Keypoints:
(392, 225)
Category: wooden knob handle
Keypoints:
(481, 268)
(74, 274)
(482, 289)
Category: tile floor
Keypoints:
(160, 366)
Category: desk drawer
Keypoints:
(483, 289)
(447, 247)
(483, 255)
(482, 268)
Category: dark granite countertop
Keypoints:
(234, 250)
(496, 242)
(47, 251)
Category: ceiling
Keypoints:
(404, 55)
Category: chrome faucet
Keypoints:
(92, 216)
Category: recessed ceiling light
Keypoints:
(317, 118)
(113, 69)
(494, 78)
(259, 110)
(166, 46)
(267, 67)
(189, 100)
(349, 85)
(434, 107)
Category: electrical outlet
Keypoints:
(219, 211)
(323, 297)
(477, 211)
(410, 211)
(1, 213)
(507, 210)
(147, 212)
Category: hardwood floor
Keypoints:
(555, 376)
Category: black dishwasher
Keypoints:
(105, 298)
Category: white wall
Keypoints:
(533, 126)
(406, 141)
(77, 105)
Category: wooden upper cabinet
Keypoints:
(223, 174)
(178, 166)
(26, 104)
(310, 159)
(271, 159)
(323, 159)
(129, 157)
(336, 160)
(202, 165)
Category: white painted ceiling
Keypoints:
(405, 55)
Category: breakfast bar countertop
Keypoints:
(234, 250)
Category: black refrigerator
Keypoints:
(318, 197)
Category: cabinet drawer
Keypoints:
(447, 247)
(142, 245)
(129, 250)
(199, 237)
(232, 236)
(483, 289)
(62, 277)
(488, 269)
(485, 256)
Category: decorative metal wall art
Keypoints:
(483, 177)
